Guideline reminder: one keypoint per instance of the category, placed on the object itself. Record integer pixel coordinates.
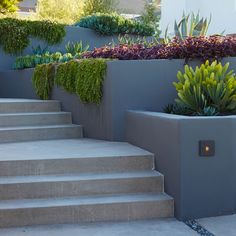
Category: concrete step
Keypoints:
(56, 186)
(34, 119)
(28, 105)
(75, 156)
(32, 133)
(85, 209)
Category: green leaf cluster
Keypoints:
(42, 56)
(102, 6)
(82, 77)
(110, 24)
(208, 90)
(8, 6)
(17, 33)
(43, 80)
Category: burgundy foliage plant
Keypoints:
(203, 48)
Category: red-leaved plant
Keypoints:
(203, 48)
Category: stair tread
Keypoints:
(78, 177)
(33, 113)
(83, 200)
(68, 149)
(24, 100)
(38, 127)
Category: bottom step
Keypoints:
(85, 209)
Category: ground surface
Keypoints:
(220, 226)
(165, 227)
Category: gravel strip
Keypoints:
(194, 225)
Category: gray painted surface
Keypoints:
(73, 34)
(164, 227)
(135, 85)
(201, 186)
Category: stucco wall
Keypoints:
(223, 13)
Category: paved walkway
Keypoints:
(220, 226)
(165, 227)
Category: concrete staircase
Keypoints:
(29, 120)
(70, 180)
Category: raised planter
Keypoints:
(201, 186)
(73, 34)
(136, 85)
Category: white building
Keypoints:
(223, 13)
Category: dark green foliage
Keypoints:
(101, 6)
(82, 77)
(89, 81)
(66, 75)
(43, 80)
(17, 32)
(151, 16)
(8, 6)
(110, 24)
(208, 90)
(76, 48)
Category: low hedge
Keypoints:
(110, 24)
(15, 34)
(203, 48)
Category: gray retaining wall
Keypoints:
(73, 34)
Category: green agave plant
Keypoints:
(208, 90)
(191, 25)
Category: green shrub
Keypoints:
(101, 6)
(17, 32)
(150, 16)
(82, 77)
(109, 24)
(8, 6)
(208, 90)
(61, 11)
(43, 80)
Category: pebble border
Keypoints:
(194, 225)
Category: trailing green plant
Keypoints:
(208, 90)
(76, 48)
(89, 81)
(66, 75)
(43, 80)
(110, 24)
(82, 77)
(17, 33)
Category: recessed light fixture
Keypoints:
(206, 148)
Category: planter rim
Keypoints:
(181, 117)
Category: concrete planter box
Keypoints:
(136, 85)
(73, 34)
(128, 85)
(201, 186)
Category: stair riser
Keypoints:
(76, 165)
(7, 136)
(11, 107)
(86, 213)
(31, 120)
(81, 188)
